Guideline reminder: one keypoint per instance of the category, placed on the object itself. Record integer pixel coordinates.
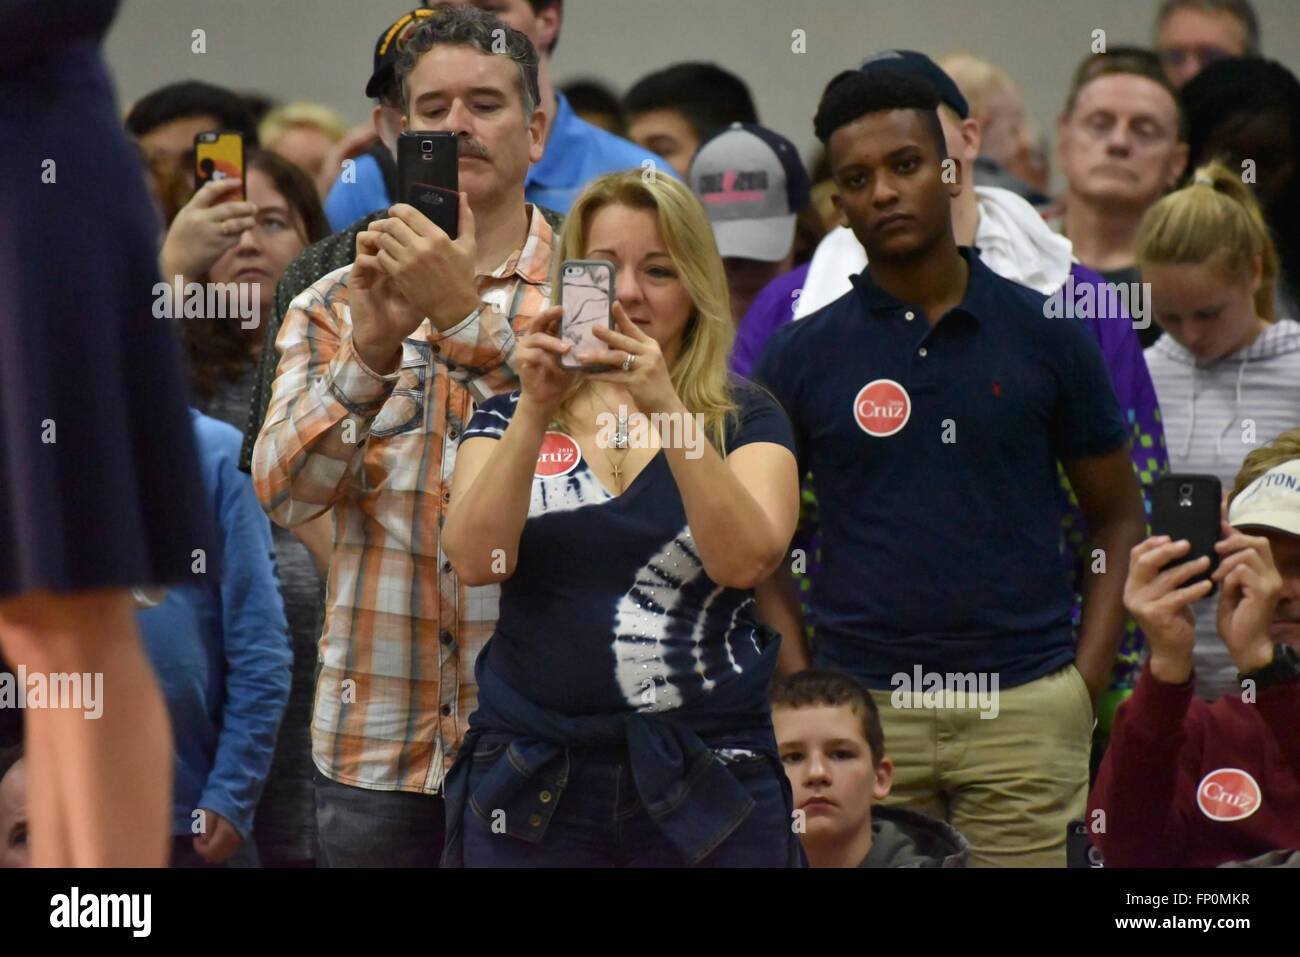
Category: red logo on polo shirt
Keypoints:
(559, 455)
(882, 407)
(1228, 794)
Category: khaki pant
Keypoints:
(1011, 783)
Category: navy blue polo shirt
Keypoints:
(933, 452)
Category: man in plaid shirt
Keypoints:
(380, 362)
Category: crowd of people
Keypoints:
(373, 578)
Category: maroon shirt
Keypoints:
(1186, 783)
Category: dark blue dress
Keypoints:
(99, 482)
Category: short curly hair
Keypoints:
(853, 94)
(472, 27)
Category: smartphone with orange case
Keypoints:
(218, 154)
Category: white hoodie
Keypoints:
(1213, 415)
(1012, 238)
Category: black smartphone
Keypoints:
(427, 171)
(587, 295)
(440, 206)
(218, 154)
(1190, 507)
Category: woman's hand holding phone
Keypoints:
(543, 382)
(208, 225)
(647, 377)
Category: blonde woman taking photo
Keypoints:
(621, 717)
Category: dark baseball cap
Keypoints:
(918, 64)
(389, 47)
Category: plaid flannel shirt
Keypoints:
(401, 633)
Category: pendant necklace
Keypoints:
(619, 442)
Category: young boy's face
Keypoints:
(831, 769)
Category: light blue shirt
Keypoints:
(220, 647)
(576, 153)
(363, 194)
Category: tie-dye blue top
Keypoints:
(609, 608)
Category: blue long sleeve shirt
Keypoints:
(220, 646)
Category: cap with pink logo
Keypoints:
(1271, 502)
(753, 186)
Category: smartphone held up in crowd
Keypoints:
(428, 176)
(587, 297)
(218, 154)
(1186, 506)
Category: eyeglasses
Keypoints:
(1175, 57)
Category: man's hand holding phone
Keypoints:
(381, 315)
(1161, 603)
(208, 225)
(1250, 589)
(435, 273)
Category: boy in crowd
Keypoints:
(833, 748)
(673, 110)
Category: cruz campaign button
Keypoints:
(882, 408)
(559, 455)
(1228, 794)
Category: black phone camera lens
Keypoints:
(426, 145)
(1185, 491)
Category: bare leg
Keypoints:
(100, 789)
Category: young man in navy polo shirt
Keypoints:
(932, 403)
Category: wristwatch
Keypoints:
(1284, 667)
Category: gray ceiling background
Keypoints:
(321, 49)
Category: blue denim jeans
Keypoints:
(600, 821)
(357, 827)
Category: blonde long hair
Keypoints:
(1216, 215)
(699, 374)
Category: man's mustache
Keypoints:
(469, 147)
